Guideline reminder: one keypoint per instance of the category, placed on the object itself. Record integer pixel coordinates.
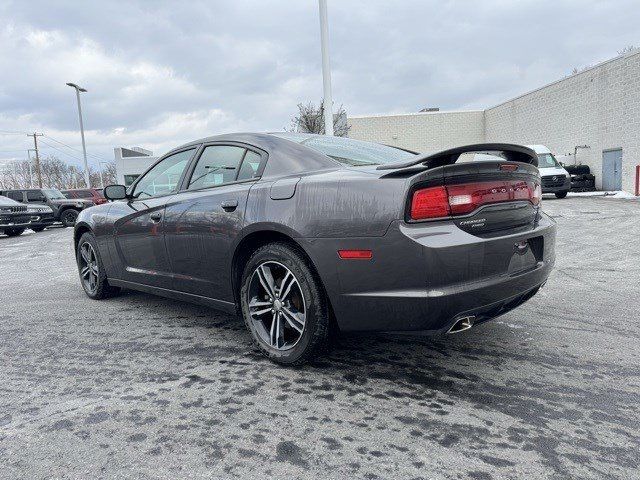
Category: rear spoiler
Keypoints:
(511, 153)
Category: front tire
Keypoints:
(561, 194)
(68, 217)
(37, 229)
(13, 232)
(91, 270)
(284, 305)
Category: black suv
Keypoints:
(64, 209)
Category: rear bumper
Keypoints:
(425, 277)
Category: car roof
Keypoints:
(292, 156)
(539, 148)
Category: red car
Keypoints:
(93, 194)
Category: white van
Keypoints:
(555, 179)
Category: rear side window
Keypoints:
(217, 165)
(250, 166)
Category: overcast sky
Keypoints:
(163, 73)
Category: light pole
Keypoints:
(84, 148)
(326, 68)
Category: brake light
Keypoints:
(430, 203)
(442, 201)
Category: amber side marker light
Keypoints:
(355, 254)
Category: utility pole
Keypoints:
(79, 89)
(30, 168)
(326, 68)
(35, 144)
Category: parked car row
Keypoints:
(39, 208)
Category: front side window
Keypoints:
(163, 178)
(35, 196)
(217, 165)
(53, 194)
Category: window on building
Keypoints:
(129, 179)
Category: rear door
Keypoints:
(203, 222)
(138, 224)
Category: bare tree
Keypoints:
(55, 174)
(310, 119)
(627, 49)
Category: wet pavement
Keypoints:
(143, 387)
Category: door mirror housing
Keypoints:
(115, 192)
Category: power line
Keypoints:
(75, 149)
(60, 150)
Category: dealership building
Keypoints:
(596, 110)
(131, 162)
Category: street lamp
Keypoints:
(84, 148)
(326, 68)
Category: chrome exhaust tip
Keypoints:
(464, 323)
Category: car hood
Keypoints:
(39, 208)
(546, 171)
(72, 201)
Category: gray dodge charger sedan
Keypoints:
(306, 234)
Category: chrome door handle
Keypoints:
(156, 216)
(229, 205)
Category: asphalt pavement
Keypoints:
(144, 387)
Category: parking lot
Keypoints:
(144, 387)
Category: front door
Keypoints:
(138, 224)
(612, 169)
(201, 226)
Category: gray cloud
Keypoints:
(161, 73)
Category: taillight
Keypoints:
(430, 203)
(536, 198)
(461, 199)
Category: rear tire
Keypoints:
(13, 232)
(561, 194)
(291, 298)
(68, 217)
(37, 229)
(91, 270)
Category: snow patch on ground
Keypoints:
(615, 194)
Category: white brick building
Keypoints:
(131, 162)
(598, 107)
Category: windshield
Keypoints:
(546, 160)
(53, 194)
(354, 153)
(7, 201)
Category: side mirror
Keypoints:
(115, 192)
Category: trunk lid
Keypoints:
(486, 199)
